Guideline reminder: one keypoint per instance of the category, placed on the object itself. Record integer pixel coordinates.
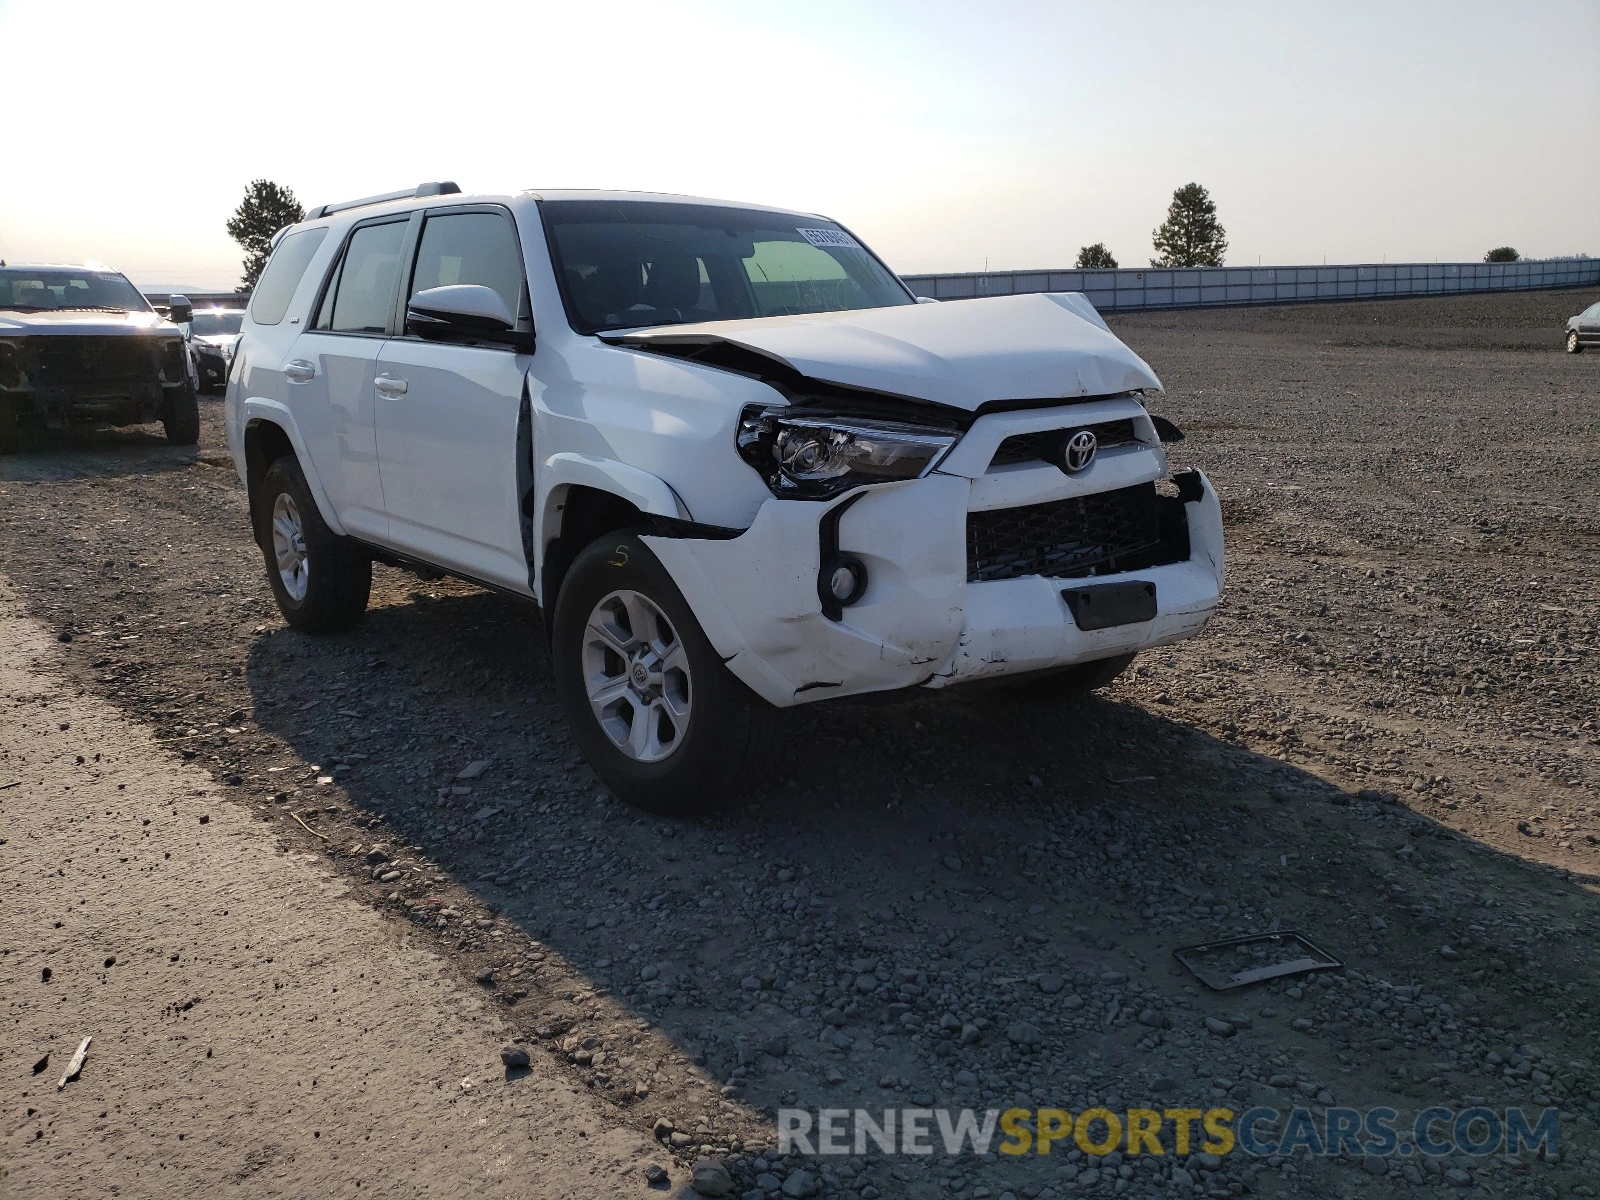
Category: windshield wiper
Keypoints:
(91, 308)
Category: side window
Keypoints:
(469, 248)
(276, 286)
(360, 299)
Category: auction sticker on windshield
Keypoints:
(829, 237)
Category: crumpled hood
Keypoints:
(79, 322)
(964, 353)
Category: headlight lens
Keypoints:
(806, 456)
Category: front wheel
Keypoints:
(180, 417)
(320, 580)
(1574, 346)
(660, 719)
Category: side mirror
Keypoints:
(465, 310)
(179, 310)
(926, 300)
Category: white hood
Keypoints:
(964, 353)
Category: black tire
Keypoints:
(338, 573)
(1574, 343)
(730, 733)
(180, 417)
(10, 429)
(1079, 680)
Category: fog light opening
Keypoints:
(844, 579)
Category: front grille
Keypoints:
(69, 359)
(1129, 529)
(1044, 446)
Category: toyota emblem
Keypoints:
(1079, 451)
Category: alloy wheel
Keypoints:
(289, 547)
(636, 674)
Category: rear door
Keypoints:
(331, 368)
(447, 411)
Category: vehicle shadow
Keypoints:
(955, 850)
(95, 450)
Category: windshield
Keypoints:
(36, 289)
(221, 321)
(624, 264)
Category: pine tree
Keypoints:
(1190, 236)
(265, 209)
(1095, 256)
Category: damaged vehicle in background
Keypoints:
(81, 345)
(727, 452)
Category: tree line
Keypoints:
(1191, 236)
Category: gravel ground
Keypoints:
(257, 1030)
(1387, 739)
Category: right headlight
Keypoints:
(812, 456)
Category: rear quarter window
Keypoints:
(276, 286)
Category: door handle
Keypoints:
(389, 387)
(299, 370)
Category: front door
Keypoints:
(446, 413)
(1589, 325)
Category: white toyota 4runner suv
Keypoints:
(734, 461)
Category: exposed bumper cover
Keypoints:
(920, 621)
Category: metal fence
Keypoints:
(1124, 289)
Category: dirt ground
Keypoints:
(257, 1030)
(1388, 739)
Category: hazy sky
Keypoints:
(950, 135)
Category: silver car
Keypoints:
(1583, 329)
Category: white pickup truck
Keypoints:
(725, 450)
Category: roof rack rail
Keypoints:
(444, 188)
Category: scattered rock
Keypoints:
(514, 1056)
(711, 1178)
(1024, 1033)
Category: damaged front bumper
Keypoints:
(58, 379)
(933, 612)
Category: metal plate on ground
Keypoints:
(1110, 604)
(1236, 962)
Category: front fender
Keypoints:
(275, 412)
(646, 492)
(560, 472)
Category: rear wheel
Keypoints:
(1574, 344)
(320, 580)
(180, 417)
(1078, 680)
(662, 721)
